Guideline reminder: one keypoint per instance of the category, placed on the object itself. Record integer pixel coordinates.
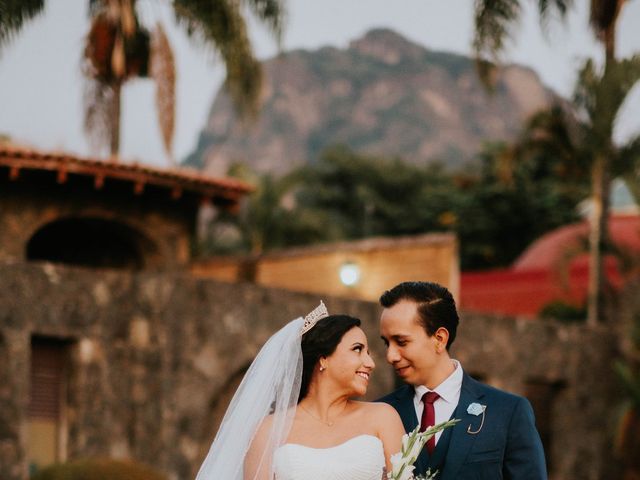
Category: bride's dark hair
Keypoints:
(321, 341)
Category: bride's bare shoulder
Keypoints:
(378, 410)
(386, 422)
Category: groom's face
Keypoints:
(410, 350)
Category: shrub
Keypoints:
(99, 469)
(563, 312)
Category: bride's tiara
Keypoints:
(312, 318)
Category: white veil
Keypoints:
(270, 388)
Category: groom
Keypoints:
(496, 437)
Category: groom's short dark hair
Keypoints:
(436, 306)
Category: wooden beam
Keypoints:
(62, 176)
(138, 188)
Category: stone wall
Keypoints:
(573, 365)
(155, 357)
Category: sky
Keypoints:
(41, 83)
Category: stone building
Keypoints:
(58, 208)
(61, 208)
(112, 348)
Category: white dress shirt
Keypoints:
(449, 391)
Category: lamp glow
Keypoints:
(349, 274)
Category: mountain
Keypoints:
(382, 95)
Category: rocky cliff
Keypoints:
(382, 95)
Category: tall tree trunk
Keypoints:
(597, 239)
(114, 121)
(601, 186)
(610, 45)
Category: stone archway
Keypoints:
(91, 242)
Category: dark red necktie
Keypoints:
(429, 417)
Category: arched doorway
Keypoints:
(91, 242)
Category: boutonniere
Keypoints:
(476, 409)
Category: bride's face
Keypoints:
(351, 364)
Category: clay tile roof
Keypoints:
(177, 180)
(552, 248)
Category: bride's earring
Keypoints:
(322, 369)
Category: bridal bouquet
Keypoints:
(412, 444)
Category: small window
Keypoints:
(47, 402)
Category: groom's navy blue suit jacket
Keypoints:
(506, 447)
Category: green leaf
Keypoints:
(14, 14)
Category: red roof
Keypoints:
(554, 248)
(177, 180)
(551, 269)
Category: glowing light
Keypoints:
(349, 274)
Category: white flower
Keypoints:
(429, 475)
(407, 474)
(476, 409)
(396, 461)
(412, 443)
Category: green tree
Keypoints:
(511, 202)
(582, 142)
(347, 196)
(366, 196)
(495, 216)
(493, 20)
(119, 48)
(268, 218)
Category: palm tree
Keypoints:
(493, 19)
(118, 48)
(580, 136)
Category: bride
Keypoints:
(293, 416)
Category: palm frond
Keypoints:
(627, 164)
(623, 77)
(271, 12)
(547, 7)
(601, 94)
(14, 14)
(220, 25)
(98, 100)
(493, 20)
(163, 71)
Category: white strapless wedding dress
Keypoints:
(359, 458)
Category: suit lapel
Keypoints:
(405, 407)
(407, 410)
(461, 441)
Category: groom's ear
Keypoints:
(441, 337)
